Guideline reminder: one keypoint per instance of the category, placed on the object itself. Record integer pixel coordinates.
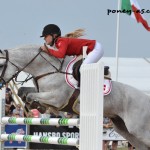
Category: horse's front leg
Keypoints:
(49, 98)
(44, 102)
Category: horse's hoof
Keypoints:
(35, 105)
(41, 109)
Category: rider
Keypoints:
(62, 46)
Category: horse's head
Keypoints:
(7, 69)
(13, 61)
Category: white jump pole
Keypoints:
(41, 139)
(91, 107)
(41, 121)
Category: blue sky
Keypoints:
(22, 22)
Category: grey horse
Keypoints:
(128, 108)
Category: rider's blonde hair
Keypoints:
(75, 34)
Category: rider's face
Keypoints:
(48, 39)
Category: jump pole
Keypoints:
(41, 121)
(41, 139)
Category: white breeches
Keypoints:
(95, 55)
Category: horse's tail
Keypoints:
(75, 34)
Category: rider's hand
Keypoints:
(44, 49)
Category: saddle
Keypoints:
(76, 71)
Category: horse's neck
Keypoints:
(41, 64)
(22, 56)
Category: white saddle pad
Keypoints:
(73, 83)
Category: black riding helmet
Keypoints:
(51, 29)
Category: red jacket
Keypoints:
(71, 46)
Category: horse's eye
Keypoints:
(1, 66)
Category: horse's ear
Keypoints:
(1, 51)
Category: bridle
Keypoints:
(57, 70)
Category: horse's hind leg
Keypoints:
(120, 127)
